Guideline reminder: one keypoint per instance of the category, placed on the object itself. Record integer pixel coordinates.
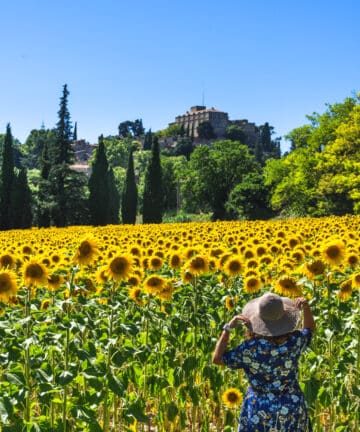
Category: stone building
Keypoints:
(199, 114)
(219, 121)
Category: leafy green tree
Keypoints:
(153, 189)
(34, 144)
(206, 131)
(339, 168)
(311, 179)
(250, 199)
(212, 174)
(21, 209)
(117, 151)
(130, 194)
(137, 128)
(184, 147)
(7, 181)
(266, 148)
(234, 132)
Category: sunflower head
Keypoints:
(8, 286)
(288, 286)
(119, 267)
(197, 265)
(233, 266)
(333, 252)
(314, 268)
(86, 252)
(35, 274)
(252, 284)
(355, 280)
(154, 284)
(155, 263)
(55, 281)
(345, 290)
(135, 295)
(232, 397)
(230, 303)
(175, 261)
(7, 261)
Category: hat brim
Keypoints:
(286, 324)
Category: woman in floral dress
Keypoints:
(270, 356)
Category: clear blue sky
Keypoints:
(265, 60)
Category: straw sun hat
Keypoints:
(271, 315)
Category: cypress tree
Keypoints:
(148, 140)
(61, 151)
(153, 194)
(21, 201)
(98, 187)
(113, 207)
(130, 195)
(6, 181)
(44, 195)
(75, 132)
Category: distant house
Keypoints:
(83, 152)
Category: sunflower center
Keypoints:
(235, 266)
(85, 248)
(232, 397)
(118, 265)
(6, 261)
(34, 271)
(333, 252)
(4, 284)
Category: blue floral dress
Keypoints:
(273, 400)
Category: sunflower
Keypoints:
(352, 259)
(230, 303)
(314, 268)
(175, 261)
(133, 280)
(8, 286)
(35, 273)
(166, 293)
(233, 266)
(7, 260)
(45, 304)
(333, 252)
(197, 265)
(345, 290)
(155, 263)
(154, 284)
(232, 397)
(120, 267)
(252, 284)
(355, 280)
(86, 252)
(187, 276)
(287, 286)
(55, 281)
(135, 295)
(101, 276)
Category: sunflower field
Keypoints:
(113, 328)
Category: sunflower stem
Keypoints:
(27, 414)
(106, 416)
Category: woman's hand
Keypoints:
(238, 319)
(300, 302)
